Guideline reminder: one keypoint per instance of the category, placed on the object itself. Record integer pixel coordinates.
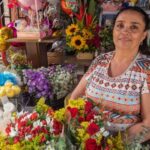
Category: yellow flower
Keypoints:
(16, 89)
(78, 42)
(78, 103)
(99, 138)
(81, 134)
(87, 34)
(8, 84)
(2, 92)
(60, 114)
(72, 29)
(85, 124)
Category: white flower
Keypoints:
(27, 137)
(108, 123)
(105, 134)
(12, 133)
(48, 120)
(102, 129)
(37, 123)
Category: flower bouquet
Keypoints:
(53, 83)
(86, 127)
(37, 130)
(83, 34)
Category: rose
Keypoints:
(34, 116)
(73, 111)
(92, 128)
(57, 127)
(88, 107)
(90, 116)
(90, 144)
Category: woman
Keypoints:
(120, 80)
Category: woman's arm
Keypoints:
(145, 112)
(80, 89)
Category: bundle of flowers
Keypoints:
(86, 127)
(63, 79)
(36, 130)
(53, 82)
(9, 84)
(83, 34)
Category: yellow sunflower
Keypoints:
(78, 42)
(87, 34)
(72, 29)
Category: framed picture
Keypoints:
(106, 18)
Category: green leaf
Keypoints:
(91, 7)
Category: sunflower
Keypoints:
(72, 29)
(78, 42)
(87, 34)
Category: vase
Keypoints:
(85, 56)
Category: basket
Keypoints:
(55, 57)
(85, 56)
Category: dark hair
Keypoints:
(144, 49)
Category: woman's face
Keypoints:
(128, 32)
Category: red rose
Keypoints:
(34, 116)
(90, 144)
(90, 116)
(107, 148)
(16, 140)
(88, 106)
(81, 119)
(73, 111)
(44, 122)
(43, 139)
(57, 127)
(8, 129)
(50, 112)
(92, 128)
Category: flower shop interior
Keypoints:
(46, 46)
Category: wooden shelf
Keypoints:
(46, 40)
(74, 60)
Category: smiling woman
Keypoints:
(120, 80)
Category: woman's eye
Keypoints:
(134, 28)
(120, 26)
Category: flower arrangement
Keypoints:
(36, 130)
(54, 82)
(87, 127)
(83, 34)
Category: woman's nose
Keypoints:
(126, 29)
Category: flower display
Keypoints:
(36, 130)
(83, 34)
(86, 127)
(53, 82)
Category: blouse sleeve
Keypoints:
(146, 85)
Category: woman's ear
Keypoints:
(145, 34)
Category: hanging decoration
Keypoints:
(5, 34)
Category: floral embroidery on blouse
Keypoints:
(121, 95)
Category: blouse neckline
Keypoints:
(128, 68)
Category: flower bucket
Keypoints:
(85, 56)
